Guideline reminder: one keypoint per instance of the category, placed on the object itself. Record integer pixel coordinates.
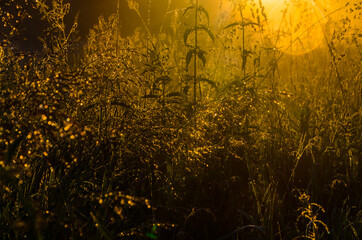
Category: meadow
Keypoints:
(239, 119)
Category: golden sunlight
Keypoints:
(298, 25)
(180, 119)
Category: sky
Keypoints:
(89, 11)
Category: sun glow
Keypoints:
(297, 26)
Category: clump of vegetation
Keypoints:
(192, 132)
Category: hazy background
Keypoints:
(88, 12)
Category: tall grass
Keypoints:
(106, 147)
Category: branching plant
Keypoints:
(195, 51)
(109, 146)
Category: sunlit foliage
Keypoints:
(214, 127)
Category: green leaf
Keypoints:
(201, 55)
(208, 31)
(152, 233)
(188, 8)
(189, 55)
(210, 82)
(204, 11)
(232, 25)
(242, 24)
(187, 33)
(248, 22)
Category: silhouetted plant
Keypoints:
(106, 147)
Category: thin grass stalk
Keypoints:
(243, 36)
(332, 55)
(195, 55)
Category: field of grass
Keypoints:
(218, 126)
